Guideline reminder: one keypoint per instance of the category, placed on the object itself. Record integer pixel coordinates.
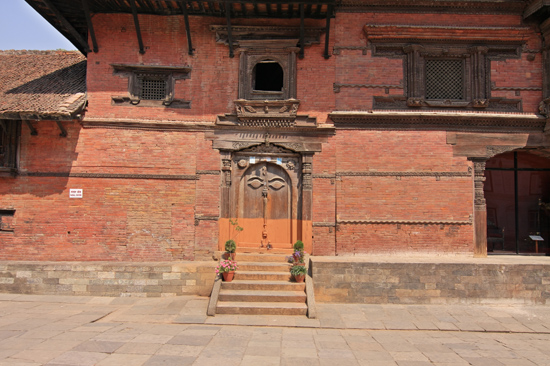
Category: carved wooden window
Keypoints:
(151, 85)
(9, 137)
(441, 76)
(267, 73)
(445, 79)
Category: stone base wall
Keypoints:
(470, 280)
(108, 278)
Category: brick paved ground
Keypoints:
(57, 330)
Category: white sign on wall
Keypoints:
(75, 193)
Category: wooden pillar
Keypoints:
(307, 198)
(480, 208)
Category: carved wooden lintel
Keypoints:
(244, 33)
(267, 113)
(491, 104)
(439, 120)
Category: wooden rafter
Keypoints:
(68, 26)
(90, 24)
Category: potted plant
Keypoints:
(230, 248)
(298, 255)
(298, 273)
(227, 268)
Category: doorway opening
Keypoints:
(517, 192)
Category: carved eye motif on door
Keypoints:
(255, 182)
(276, 183)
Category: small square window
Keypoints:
(444, 79)
(151, 86)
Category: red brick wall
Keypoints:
(407, 200)
(144, 219)
(139, 219)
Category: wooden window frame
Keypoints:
(254, 52)
(136, 72)
(9, 135)
(476, 87)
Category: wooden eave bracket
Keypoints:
(34, 132)
(62, 129)
(136, 23)
(183, 7)
(407, 33)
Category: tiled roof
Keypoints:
(42, 84)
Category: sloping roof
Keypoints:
(42, 84)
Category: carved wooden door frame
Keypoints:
(297, 164)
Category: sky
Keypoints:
(22, 28)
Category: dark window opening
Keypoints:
(152, 89)
(6, 219)
(268, 76)
(444, 79)
(8, 144)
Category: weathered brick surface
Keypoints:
(369, 282)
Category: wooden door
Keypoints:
(264, 212)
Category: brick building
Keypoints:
(357, 127)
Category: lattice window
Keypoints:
(152, 88)
(444, 79)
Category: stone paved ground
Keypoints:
(56, 330)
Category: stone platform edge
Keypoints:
(434, 280)
(119, 279)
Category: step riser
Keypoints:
(267, 268)
(286, 286)
(251, 298)
(261, 277)
(267, 258)
(259, 311)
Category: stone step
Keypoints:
(261, 308)
(257, 285)
(262, 276)
(264, 266)
(258, 257)
(262, 296)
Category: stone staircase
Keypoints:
(262, 285)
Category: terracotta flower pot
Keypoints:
(299, 278)
(228, 255)
(228, 276)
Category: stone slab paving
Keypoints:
(67, 331)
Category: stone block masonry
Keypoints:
(124, 279)
(431, 281)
